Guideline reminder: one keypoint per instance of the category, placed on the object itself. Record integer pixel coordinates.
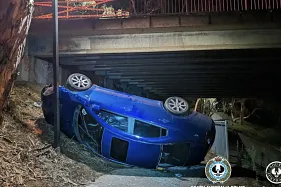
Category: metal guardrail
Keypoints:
(69, 9)
(220, 146)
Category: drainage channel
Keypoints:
(229, 145)
(242, 163)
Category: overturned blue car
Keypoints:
(129, 129)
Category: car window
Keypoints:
(143, 129)
(119, 149)
(90, 130)
(115, 120)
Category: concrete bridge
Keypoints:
(158, 34)
(218, 54)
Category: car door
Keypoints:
(122, 144)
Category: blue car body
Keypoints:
(131, 130)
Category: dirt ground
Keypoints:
(26, 155)
(28, 159)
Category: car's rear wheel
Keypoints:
(78, 82)
(176, 105)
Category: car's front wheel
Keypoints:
(78, 82)
(176, 105)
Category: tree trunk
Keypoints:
(15, 18)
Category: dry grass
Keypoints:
(27, 157)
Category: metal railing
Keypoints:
(201, 6)
(126, 8)
(78, 9)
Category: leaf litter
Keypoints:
(27, 157)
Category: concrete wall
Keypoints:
(220, 146)
(35, 70)
(23, 73)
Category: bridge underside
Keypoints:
(211, 55)
(212, 73)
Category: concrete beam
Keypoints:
(159, 42)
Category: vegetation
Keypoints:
(26, 155)
(110, 8)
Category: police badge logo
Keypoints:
(273, 172)
(218, 170)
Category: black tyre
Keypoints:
(176, 105)
(78, 82)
